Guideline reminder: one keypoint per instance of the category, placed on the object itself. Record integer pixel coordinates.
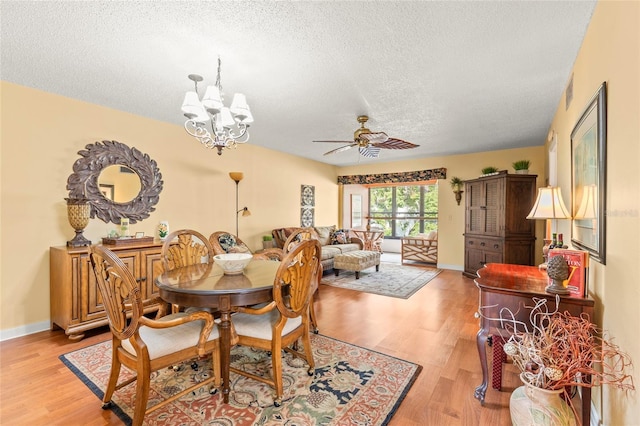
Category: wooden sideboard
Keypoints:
(514, 287)
(76, 304)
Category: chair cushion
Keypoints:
(345, 248)
(260, 326)
(164, 341)
(328, 252)
(230, 245)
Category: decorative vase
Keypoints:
(522, 172)
(124, 227)
(163, 230)
(531, 405)
(78, 213)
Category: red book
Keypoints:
(578, 261)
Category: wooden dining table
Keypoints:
(206, 286)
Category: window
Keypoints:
(404, 210)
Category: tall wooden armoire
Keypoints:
(496, 227)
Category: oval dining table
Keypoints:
(206, 286)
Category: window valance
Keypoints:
(415, 176)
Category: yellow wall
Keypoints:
(467, 166)
(611, 52)
(41, 134)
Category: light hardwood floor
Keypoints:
(435, 328)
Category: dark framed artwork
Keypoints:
(589, 177)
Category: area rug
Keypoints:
(352, 385)
(391, 280)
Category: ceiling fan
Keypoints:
(369, 143)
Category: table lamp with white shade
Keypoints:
(548, 205)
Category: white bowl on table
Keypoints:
(233, 263)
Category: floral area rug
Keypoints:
(351, 386)
(391, 280)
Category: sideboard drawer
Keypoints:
(485, 244)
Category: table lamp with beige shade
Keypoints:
(548, 205)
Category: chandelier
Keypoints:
(229, 125)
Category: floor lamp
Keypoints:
(237, 177)
(549, 205)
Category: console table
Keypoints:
(514, 287)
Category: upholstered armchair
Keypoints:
(423, 248)
(224, 242)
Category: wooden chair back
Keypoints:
(190, 248)
(120, 292)
(296, 237)
(294, 282)
(225, 242)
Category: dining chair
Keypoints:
(293, 240)
(185, 247)
(145, 345)
(276, 326)
(225, 242)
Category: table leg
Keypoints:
(481, 340)
(225, 344)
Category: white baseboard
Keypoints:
(24, 330)
(451, 267)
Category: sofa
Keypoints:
(333, 241)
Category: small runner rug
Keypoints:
(352, 385)
(391, 280)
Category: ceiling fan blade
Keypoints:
(370, 151)
(351, 141)
(342, 148)
(393, 143)
(376, 137)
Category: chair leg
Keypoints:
(276, 365)
(113, 377)
(142, 395)
(312, 316)
(306, 341)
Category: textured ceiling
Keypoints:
(453, 77)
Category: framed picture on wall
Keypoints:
(356, 210)
(107, 191)
(588, 177)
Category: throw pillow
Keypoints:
(230, 245)
(340, 236)
(324, 234)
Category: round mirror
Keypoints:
(119, 182)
